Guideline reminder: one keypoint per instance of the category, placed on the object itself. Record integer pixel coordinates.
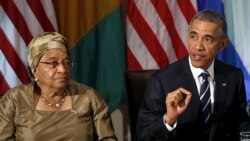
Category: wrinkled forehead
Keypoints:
(205, 27)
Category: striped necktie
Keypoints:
(205, 98)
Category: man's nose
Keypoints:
(199, 44)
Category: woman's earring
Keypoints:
(36, 79)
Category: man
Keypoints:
(198, 98)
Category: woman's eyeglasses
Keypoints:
(54, 64)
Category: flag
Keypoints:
(239, 33)
(156, 32)
(95, 33)
(99, 59)
(236, 53)
(98, 49)
(20, 20)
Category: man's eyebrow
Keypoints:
(192, 32)
(209, 36)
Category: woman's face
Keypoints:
(53, 70)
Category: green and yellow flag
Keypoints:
(95, 33)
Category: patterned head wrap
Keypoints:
(40, 44)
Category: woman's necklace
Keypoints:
(56, 104)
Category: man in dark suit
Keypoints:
(174, 108)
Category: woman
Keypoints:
(53, 107)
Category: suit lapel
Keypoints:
(188, 83)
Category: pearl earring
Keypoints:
(36, 79)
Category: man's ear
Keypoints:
(224, 44)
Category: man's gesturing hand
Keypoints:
(176, 102)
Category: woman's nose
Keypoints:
(61, 68)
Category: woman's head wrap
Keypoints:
(40, 44)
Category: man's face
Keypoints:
(205, 39)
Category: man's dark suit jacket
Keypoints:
(229, 114)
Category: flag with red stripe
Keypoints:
(156, 32)
(20, 20)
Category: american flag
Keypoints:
(156, 32)
(20, 20)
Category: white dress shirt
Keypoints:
(198, 80)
